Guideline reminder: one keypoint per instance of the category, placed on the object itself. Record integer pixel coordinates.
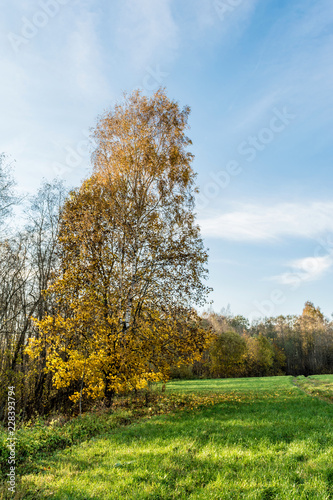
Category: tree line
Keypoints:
(283, 345)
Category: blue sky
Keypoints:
(258, 77)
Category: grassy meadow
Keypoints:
(255, 438)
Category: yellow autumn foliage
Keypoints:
(132, 262)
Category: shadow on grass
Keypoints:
(174, 456)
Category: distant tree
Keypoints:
(7, 195)
(310, 311)
(239, 323)
(227, 353)
(312, 331)
(226, 311)
(260, 356)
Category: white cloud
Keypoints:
(305, 270)
(262, 223)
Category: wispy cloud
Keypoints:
(305, 270)
(278, 69)
(269, 223)
(84, 58)
(51, 88)
(234, 14)
(147, 32)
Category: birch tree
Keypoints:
(133, 264)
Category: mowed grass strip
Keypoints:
(320, 386)
(266, 440)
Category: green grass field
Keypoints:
(258, 438)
